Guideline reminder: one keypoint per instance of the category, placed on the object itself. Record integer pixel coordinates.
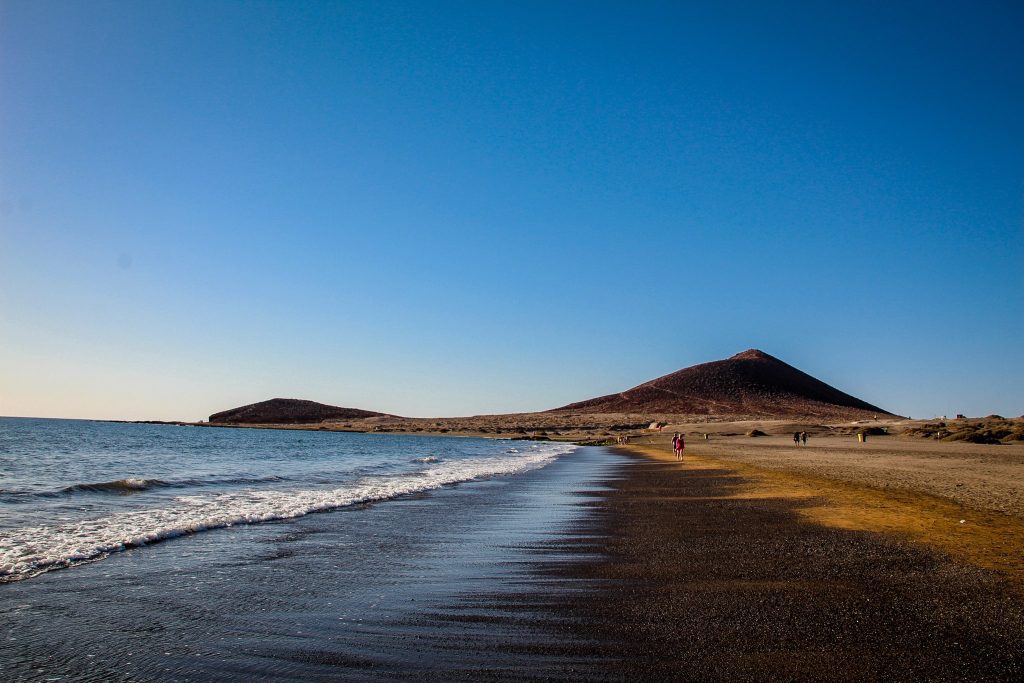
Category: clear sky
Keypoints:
(448, 208)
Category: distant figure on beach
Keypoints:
(803, 437)
(680, 445)
(796, 438)
(675, 444)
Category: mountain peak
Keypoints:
(753, 354)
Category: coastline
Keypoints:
(455, 581)
(613, 563)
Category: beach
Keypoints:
(712, 572)
(753, 559)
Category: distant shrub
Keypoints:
(989, 430)
(1016, 434)
(973, 436)
(756, 432)
(596, 442)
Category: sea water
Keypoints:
(426, 558)
(73, 491)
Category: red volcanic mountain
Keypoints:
(750, 384)
(289, 411)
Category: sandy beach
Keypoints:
(717, 569)
(961, 498)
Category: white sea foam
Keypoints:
(27, 551)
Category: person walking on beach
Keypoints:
(803, 437)
(680, 445)
(675, 445)
(796, 438)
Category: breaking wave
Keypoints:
(28, 551)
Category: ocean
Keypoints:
(157, 552)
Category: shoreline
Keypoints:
(741, 563)
(454, 580)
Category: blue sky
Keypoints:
(434, 208)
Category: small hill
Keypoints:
(750, 384)
(288, 411)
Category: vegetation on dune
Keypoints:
(990, 430)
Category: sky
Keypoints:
(454, 208)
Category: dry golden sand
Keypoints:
(714, 572)
(856, 490)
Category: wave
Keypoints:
(117, 486)
(30, 551)
(427, 459)
(130, 485)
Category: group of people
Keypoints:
(678, 444)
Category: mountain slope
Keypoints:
(749, 384)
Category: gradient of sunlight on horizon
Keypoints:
(460, 208)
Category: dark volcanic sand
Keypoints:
(698, 588)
